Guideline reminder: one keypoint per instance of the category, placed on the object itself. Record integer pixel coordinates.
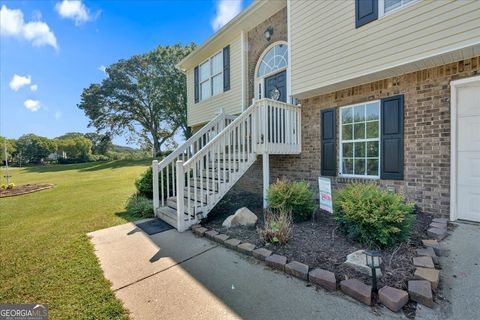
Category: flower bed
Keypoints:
(24, 189)
(320, 244)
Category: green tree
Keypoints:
(11, 148)
(75, 146)
(143, 96)
(34, 149)
(101, 143)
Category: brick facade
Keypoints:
(427, 135)
(257, 43)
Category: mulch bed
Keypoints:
(319, 243)
(24, 189)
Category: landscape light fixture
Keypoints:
(268, 33)
(373, 261)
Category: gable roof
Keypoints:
(255, 13)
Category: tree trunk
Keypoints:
(156, 146)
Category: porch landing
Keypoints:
(173, 275)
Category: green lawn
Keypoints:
(45, 255)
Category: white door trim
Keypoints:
(454, 86)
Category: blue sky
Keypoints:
(51, 49)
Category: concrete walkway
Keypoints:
(174, 275)
(460, 276)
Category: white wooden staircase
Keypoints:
(189, 182)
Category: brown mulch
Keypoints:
(320, 244)
(24, 189)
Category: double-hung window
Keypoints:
(360, 140)
(387, 6)
(211, 76)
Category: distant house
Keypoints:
(54, 156)
(367, 90)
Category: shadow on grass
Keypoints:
(128, 217)
(87, 166)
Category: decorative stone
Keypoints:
(357, 290)
(357, 260)
(438, 225)
(424, 262)
(421, 291)
(428, 252)
(297, 269)
(440, 220)
(323, 278)
(232, 243)
(394, 299)
(195, 226)
(199, 231)
(211, 234)
(220, 238)
(431, 275)
(261, 253)
(246, 248)
(276, 261)
(242, 217)
(437, 233)
(439, 251)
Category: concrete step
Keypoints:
(168, 215)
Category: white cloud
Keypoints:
(226, 10)
(32, 105)
(57, 115)
(34, 87)
(37, 32)
(74, 10)
(19, 81)
(103, 69)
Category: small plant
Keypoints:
(140, 206)
(294, 197)
(374, 217)
(3, 186)
(11, 185)
(277, 227)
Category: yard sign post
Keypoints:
(325, 194)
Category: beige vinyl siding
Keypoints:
(326, 48)
(230, 101)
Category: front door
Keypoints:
(468, 152)
(276, 87)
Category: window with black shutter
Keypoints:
(392, 138)
(328, 142)
(365, 11)
(226, 68)
(196, 84)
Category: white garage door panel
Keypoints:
(468, 203)
(469, 133)
(469, 169)
(468, 100)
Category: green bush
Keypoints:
(277, 227)
(371, 216)
(11, 185)
(144, 183)
(294, 197)
(140, 206)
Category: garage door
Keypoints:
(468, 150)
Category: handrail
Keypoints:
(181, 149)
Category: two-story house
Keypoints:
(386, 91)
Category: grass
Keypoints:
(46, 256)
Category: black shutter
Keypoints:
(365, 11)
(328, 142)
(391, 159)
(226, 68)
(196, 84)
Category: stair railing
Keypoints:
(164, 172)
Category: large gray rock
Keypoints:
(242, 217)
(357, 261)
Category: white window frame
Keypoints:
(340, 141)
(210, 77)
(381, 7)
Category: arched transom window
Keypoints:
(276, 58)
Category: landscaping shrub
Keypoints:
(294, 197)
(277, 227)
(11, 185)
(373, 217)
(140, 206)
(3, 186)
(144, 183)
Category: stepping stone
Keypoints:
(440, 220)
(246, 248)
(421, 291)
(297, 269)
(394, 299)
(438, 225)
(199, 231)
(357, 290)
(431, 275)
(424, 262)
(428, 252)
(437, 233)
(439, 251)
(195, 226)
(323, 278)
(211, 234)
(232, 243)
(276, 261)
(261, 253)
(220, 238)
